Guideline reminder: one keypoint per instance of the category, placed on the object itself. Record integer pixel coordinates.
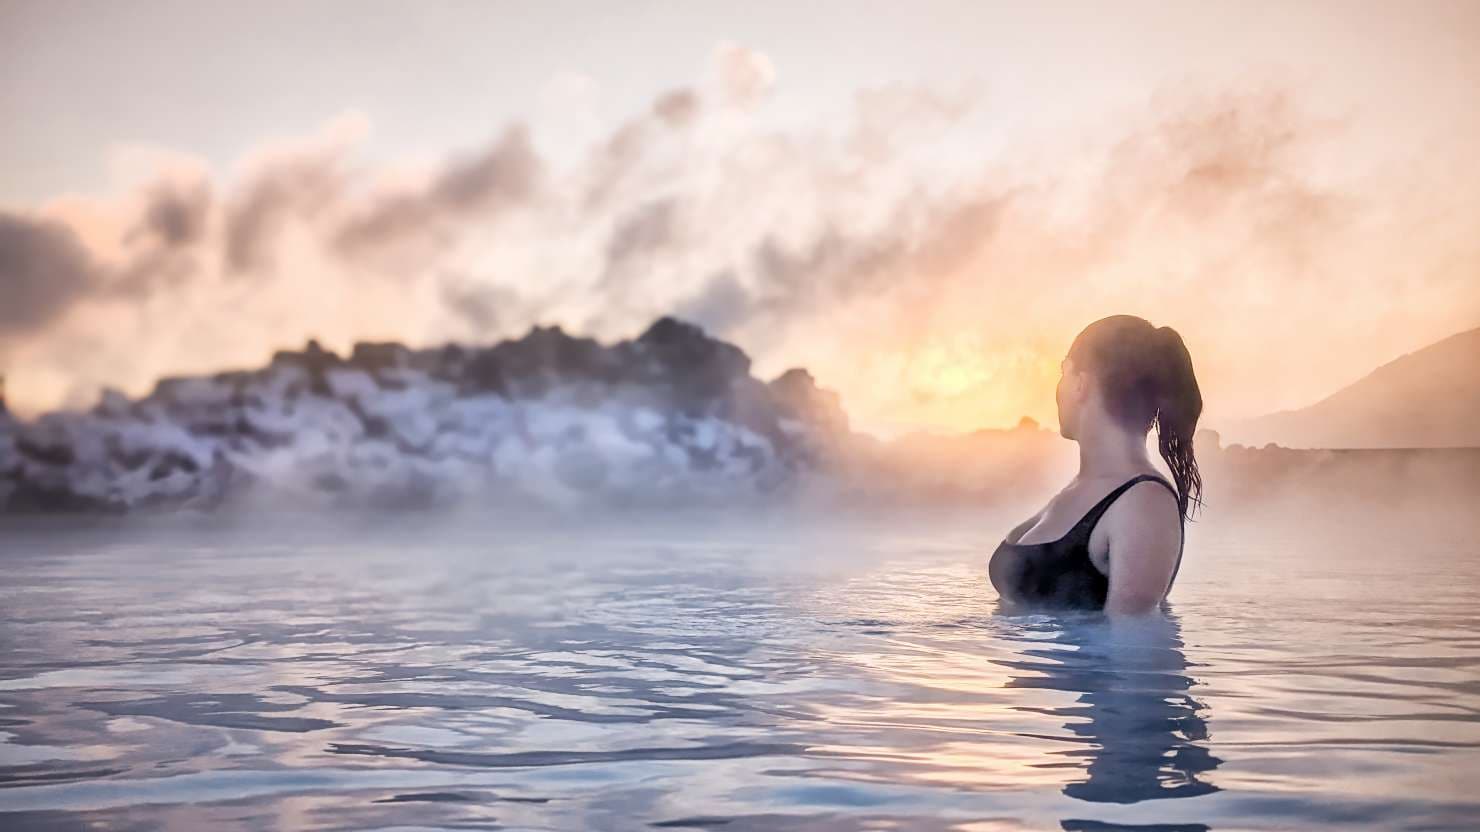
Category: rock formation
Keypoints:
(674, 416)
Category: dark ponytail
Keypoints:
(1145, 378)
(1178, 407)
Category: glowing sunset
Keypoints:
(924, 228)
(639, 415)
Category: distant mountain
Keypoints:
(1426, 399)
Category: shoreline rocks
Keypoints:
(673, 416)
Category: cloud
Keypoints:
(172, 222)
(720, 305)
(47, 266)
(483, 310)
(925, 283)
(285, 185)
(643, 233)
(678, 108)
(505, 173)
(614, 162)
(176, 215)
(744, 75)
(44, 268)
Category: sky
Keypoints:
(922, 203)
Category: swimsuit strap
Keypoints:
(1092, 517)
(1095, 513)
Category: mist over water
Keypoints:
(592, 432)
(726, 670)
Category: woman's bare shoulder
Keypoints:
(1146, 514)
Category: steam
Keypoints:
(46, 269)
(477, 187)
(930, 289)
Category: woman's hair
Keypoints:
(1145, 377)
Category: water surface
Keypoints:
(734, 676)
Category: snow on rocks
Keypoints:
(671, 417)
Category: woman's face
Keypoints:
(1069, 396)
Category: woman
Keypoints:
(1121, 376)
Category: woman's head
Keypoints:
(1138, 375)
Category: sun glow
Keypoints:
(949, 368)
(954, 382)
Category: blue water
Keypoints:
(738, 675)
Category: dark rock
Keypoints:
(677, 407)
(315, 360)
(379, 356)
(694, 370)
(798, 396)
(125, 458)
(47, 452)
(484, 373)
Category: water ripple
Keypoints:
(647, 680)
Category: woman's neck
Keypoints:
(1106, 450)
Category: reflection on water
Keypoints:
(717, 680)
(1145, 736)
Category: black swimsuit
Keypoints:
(1059, 573)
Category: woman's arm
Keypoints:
(1144, 534)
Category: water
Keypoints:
(728, 676)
